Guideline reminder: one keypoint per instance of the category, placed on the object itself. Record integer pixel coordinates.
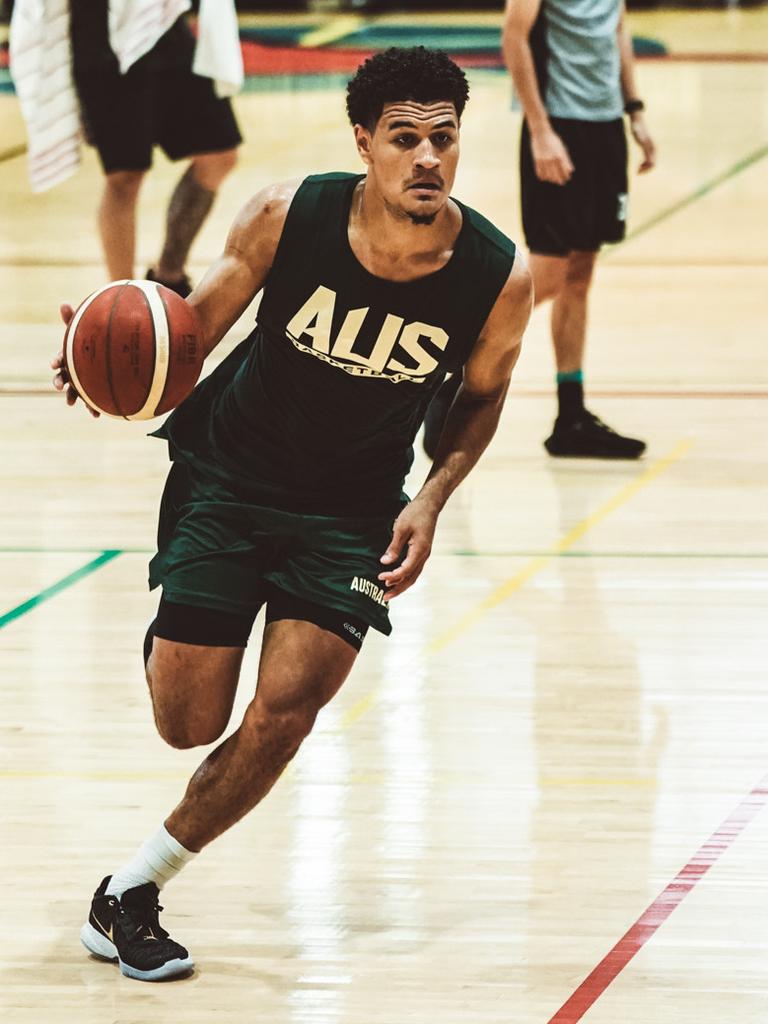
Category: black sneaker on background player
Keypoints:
(586, 436)
(182, 287)
(128, 930)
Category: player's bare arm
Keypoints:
(238, 275)
(468, 430)
(630, 92)
(231, 283)
(551, 158)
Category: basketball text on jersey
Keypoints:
(396, 338)
(364, 586)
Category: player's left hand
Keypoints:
(645, 142)
(414, 531)
(61, 380)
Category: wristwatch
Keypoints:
(633, 106)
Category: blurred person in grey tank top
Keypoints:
(573, 69)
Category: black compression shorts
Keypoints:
(210, 627)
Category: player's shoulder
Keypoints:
(331, 178)
(279, 195)
(487, 235)
(273, 203)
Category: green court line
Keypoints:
(709, 186)
(459, 553)
(112, 552)
(56, 588)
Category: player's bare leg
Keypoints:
(569, 311)
(577, 432)
(117, 221)
(302, 667)
(548, 273)
(189, 206)
(193, 688)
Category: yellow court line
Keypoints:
(502, 592)
(556, 782)
(505, 590)
(334, 30)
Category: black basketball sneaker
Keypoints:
(586, 436)
(128, 930)
(182, 287)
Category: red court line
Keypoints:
(707, 58)
(593, 986)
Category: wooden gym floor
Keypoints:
(574, 699)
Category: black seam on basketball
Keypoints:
(108, 341)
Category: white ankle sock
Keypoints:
(157, 860)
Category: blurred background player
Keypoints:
(132, 71)
(573, 69)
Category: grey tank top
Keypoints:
(576, 52)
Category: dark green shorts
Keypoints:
(215, 551)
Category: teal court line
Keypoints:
(458, 553)
(703, 190)
(56, 588)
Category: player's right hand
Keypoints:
(61, 381)
(550, 157)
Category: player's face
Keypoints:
(412, 156)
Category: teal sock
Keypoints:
(575, 376)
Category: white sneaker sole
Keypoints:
(100, 946)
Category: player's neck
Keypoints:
(391, 245)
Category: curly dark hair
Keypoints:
(413, 73)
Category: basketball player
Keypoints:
(289, 459)
(158, 101)
(574, 72)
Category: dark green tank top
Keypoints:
(316, 411)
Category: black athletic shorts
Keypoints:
(158, 102)
(219, 553)
(591, 209)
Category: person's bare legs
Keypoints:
(301, 669)
(569, 312)
(192, 689)
(567, 281)
(548, 273)
(189, 205)
(117, 221)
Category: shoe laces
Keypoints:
(598, 422)
(140, 918)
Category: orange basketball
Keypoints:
(133, 349)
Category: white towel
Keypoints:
(41, 63)
(40, 52)
(136, 25)
(218, 54)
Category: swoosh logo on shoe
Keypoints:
(107, 933)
